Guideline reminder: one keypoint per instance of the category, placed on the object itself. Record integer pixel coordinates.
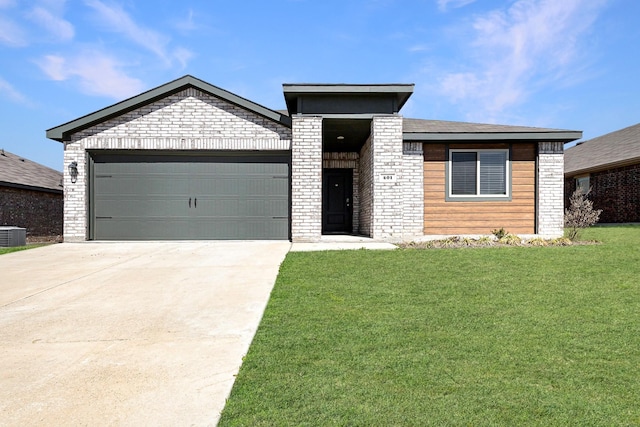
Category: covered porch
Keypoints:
(348, 162)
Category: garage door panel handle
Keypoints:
(189, 202)
(195, 202)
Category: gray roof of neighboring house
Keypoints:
(16, 171)
(441, 130)
(614, 149)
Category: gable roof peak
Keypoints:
(63, 132)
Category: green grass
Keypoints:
(495, 336)
(18, 248)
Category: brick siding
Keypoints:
(550, 210)
(187, 120)
(615, 191)
(366, 189)
(386, 143)
(306, 179)
(412, 190)
(39, 212)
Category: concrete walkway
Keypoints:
(132, 334)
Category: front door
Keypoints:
(337, 200)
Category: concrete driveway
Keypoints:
(148, 333)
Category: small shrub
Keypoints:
(538, 241)
(450, 242)
(580, 213)
(467, 241)
(500, 233)
(561, 241)
(510, 239)
(485, 241)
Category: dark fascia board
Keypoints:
(562, 136)
(30, 187)
(64, 131)
(602, 167)
(402, 91)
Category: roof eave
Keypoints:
(402, 91)
(603, 167)
(31, 187)
(63, 132)
(562, 136)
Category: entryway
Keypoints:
(337, 201)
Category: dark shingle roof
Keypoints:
(614, 149)
(420, 129)
(16, 171)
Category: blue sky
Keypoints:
(569, 64)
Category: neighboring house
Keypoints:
(188, 160)
(30, 196)
(610, 166)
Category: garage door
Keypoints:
(189, 197)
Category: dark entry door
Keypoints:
(337, 200)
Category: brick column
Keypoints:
(412, 190)
(75, 195)
(306, 179)
(387, 198)
(550, 209)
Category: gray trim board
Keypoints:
(492, 137)
(63, 132)
(343, 95)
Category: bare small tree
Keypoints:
(580, 213)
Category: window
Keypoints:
(583, 183)
(478, 173)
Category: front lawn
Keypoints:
(495, 336)
(18, 248)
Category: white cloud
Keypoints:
(182, 56)
(116, 19)
(444, 4)
(11, 34)
(94, 72)
(8, 91)
(418, 48)
(517, 51)
(187, 24)
(61, 29)
(7, 3)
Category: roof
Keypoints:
(614, 149)
(353, 99)
(64, 131)
(441, 130)
(19, 172)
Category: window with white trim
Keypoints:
(478, 173)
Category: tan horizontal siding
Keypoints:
(516, 215)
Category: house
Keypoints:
(609, 165)
(30, 196)
(188, 160)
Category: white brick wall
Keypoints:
(550, 189)
(366, 189)
(75, 195)
(386, 144)
(306, 179)
(412, 190)
(187, 120)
